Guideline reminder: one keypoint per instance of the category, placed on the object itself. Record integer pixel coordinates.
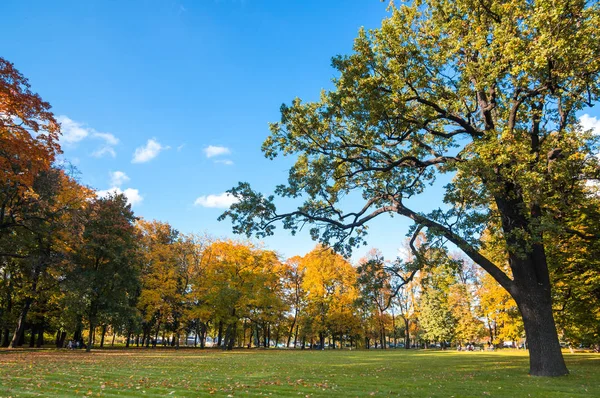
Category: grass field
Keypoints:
(191, 373)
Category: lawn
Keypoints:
(191, 372)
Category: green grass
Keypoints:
(191, 373)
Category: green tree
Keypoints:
(435, 314)
(485, 90)
(105, 271)
(575, 266)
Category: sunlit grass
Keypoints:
(191, 372)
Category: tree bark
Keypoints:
(296, 336)
(531, 288)
(220, 334)
(545, 355)
(103, 334)
(406, 333)
(90, 338)
(20, 329)
(32, 337)
(292, 329)
(40, 339)
(230, 334)
(60, 339)
(203, 335)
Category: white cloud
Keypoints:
(226, 162)
(105, 150)
(180, 147)
(212, 150)
(133, 195)
(148, 152)
(107, 137)
(118, 178)
(590, 123)
(222, 201)
(72, 131)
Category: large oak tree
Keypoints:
(486, 90)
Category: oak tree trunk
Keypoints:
(545, 355)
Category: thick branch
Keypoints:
(469, 250)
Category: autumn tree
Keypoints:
(163, 279)
(242, 281)
(28, 145)
(195, 259)
(463, 301)
(42, 245)
(375, 287)
(498, 311)
(293, 277)
(330, 284)
(486, 91)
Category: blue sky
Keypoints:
(169, 100)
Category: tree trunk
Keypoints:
(292, 329)
(220, 334)
(155, 339)
(530, 287)
(32, 337)
(20, 329)
(40, 339)
(545, 355)
(230, 334)
(203, 335)
(112, 343)
(77, 335)
(406, 334)
(5, 337)
(296, 336)
(61, 340)
(90, 337)
(102, 338)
